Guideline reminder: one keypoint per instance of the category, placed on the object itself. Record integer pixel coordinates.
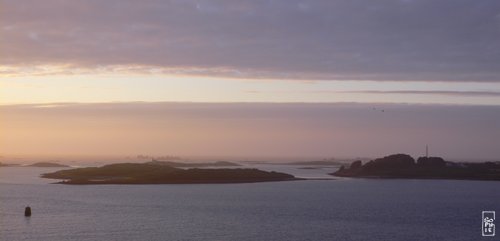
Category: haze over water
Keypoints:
(250, 130)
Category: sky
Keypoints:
(253, 130)
(419, 54)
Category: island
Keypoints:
(8, 165)
(193, 164)
(144, 173)
(404, 166)
(46, 164)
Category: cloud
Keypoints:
(427, 40)
(423, 92)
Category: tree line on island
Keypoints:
(404, 166)
(155, 173)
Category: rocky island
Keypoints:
(144, 173)
(404, 166)
(46, 164)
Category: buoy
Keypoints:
(27, 211)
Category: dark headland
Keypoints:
(404, 166)
(145, 173)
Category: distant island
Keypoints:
(161, 158)
(193, 164)
(144, 173)
(404, 166)
(46, 164)
(8, 165)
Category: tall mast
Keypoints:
(427, 151)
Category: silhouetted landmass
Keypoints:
(46, 164)
(404, 166)
(187, 164)
(135, 173)
(8, 165)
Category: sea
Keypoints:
(323, 208)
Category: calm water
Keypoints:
(345, 209)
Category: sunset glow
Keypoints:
(58, 56)
(249, 120)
